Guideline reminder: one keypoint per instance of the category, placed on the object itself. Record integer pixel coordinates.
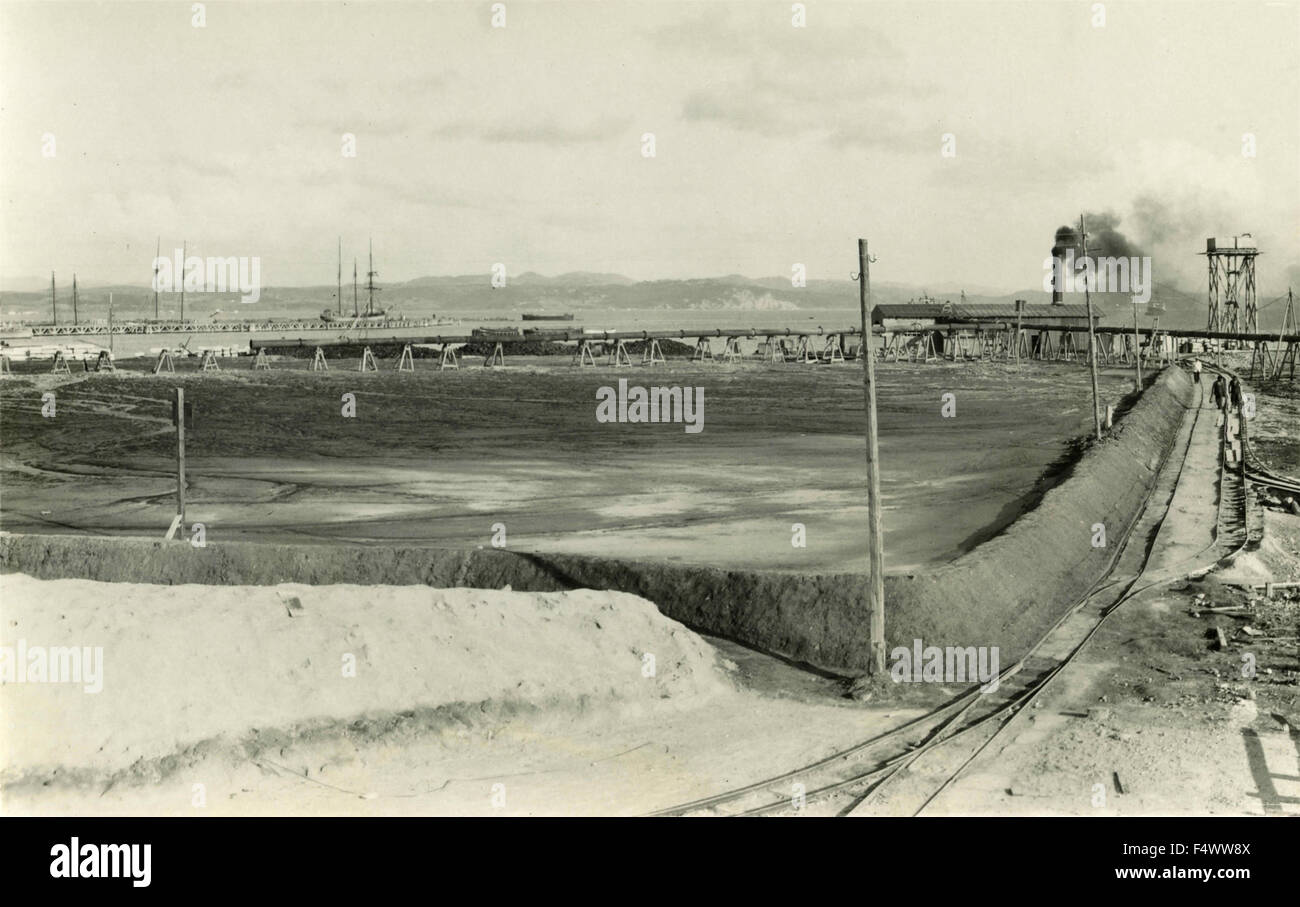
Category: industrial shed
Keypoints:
(915, 316)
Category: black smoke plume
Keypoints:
(1104, 238)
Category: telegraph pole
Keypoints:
(54, 300)
(875, 545)
(74, 300)
(1137, 349)
(180, 454)
(1092, 338)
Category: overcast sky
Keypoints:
(523, 144)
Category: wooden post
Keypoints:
(180, 453)
(1137, 348)
(875, 548)
(1020, 310)
(1092, 340)
(1288, 319)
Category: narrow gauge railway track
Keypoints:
(1232, 524)
(914, 792)
(853, 781)
(1250, 473)
(1264, 476)
(1254, 468)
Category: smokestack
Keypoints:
(1058, 271)
(1064, 240)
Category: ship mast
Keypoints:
(74, 300)
(356, 312)
(339, 298)
(156, 255)
(54, 300)
(370, 281)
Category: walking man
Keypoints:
(1196, 370)
(1218, 393)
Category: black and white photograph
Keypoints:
(640, 409)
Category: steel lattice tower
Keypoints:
(1232, 284)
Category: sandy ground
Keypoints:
(243, 691)
(440, 458)
(1153, 718)
(1150, 721)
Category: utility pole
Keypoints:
(340, 296)
(74, 300)
(110, 321)
(875, 545)
(356, 312)
(1092, 338)
(54, 300)
(1137, 349)
(156, 255)
(180, 454)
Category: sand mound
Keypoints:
(191, 671)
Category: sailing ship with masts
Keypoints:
(371, 315)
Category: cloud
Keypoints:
(762, 102)
(535, 131)
(736, 105)
(719, 34)
(849, 85)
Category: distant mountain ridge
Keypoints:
(577, 291)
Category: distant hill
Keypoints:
(576, 292)
(574, 278)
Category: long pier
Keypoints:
(758, 332)
(217, 327)
(992, 340)
(548, 336)
(313, 326)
